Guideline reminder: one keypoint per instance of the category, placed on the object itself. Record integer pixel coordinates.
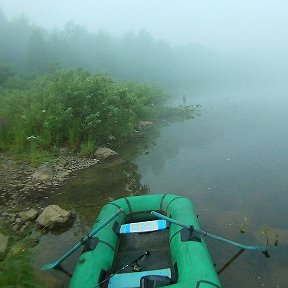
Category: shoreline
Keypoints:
(23, 186)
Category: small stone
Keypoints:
(15, 227)
(12, 218)
(43, 173)
(31, 214)
(144, 125)
(242, 230)
(106, 154)
(18, 220)
(63, 174)
(3, 244)
(25, 226)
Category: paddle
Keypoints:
(219, 238)
(56, 263)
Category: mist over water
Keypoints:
(231, 162)
(231, 58)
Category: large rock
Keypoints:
(31, 214)
(3, 244)
(53, 216)
(44, 172)
(144, 125)
(106, 154)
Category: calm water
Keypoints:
(231, 161)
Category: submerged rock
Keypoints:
(144, 125)
(106, 154)
(53, 216)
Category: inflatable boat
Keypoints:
(137, 249)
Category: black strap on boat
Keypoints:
(90, 244)
(171, 202)
(161, 202)
(129, 205)
(93, 242)
(188, 235)
(116, 227)
(174, 235)
(107, 244)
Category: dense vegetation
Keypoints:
(76, 109)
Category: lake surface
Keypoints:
(231, 161)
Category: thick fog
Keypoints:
(239, 25)
(240, 39)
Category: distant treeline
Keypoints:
(138, 56)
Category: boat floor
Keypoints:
(132, 246)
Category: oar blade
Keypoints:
(49, 266)
(81, 242)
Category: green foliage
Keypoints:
(74, 133)
(70, 107)
(177, 113)
(16, 271)
(87, 149)
(4, 142)
(16, 266)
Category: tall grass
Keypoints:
(16, 271)
(88, 148)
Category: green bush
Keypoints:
(16, 271)
(87, 149)
(70, 107)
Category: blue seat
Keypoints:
(142, 227)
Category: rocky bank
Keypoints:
(24, 187)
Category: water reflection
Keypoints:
(93, 188)
(232, 162)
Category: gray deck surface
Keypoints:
(136, 244)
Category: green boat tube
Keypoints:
(110, 259)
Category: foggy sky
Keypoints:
(241, 26)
